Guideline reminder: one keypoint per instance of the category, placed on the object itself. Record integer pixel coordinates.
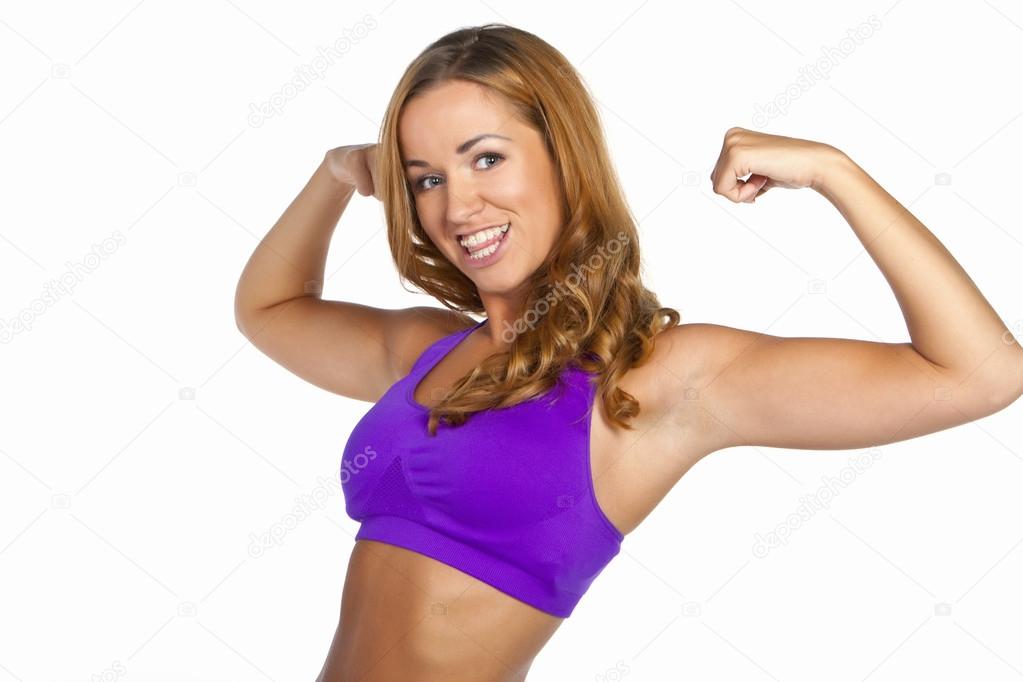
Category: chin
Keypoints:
(507, 284)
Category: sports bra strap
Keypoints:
(439, 348)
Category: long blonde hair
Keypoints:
(586, 304)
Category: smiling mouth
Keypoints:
(475, 248)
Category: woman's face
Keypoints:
(463, 182)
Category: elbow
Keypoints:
(1014, 379)
(1007, 389)
(995, 385)
(245, 312)
(1016, 389)
(241, 326)
(239, 308)
(240, 318)
(243, 317)
(248, 321)
(244, 328)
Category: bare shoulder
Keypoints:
(423, 326)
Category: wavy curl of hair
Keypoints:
(586, 304)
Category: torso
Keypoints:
(402, 611)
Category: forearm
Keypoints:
(290, 260)
(949, 320)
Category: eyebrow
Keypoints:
(461, 149)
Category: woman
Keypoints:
(504, 460)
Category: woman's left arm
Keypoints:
(830, 393)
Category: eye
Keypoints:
(419, 184)
(487, 155)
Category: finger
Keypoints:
(371, 162)
(727, 184)
(726, 180)
(751, 187)
(363, 184)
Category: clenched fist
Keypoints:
(355, 165)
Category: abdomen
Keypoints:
(405, 615)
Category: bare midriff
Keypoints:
(407, 616)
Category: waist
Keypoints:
(407, 614)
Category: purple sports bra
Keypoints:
(506, 497)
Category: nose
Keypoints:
(464, 201)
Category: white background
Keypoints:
(144, 442)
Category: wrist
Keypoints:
(327, 169)
(833, 166)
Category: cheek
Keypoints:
(536, 198)
(430, 218)
(433, 231)
(517, 189)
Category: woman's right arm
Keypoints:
(347, 348)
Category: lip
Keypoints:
(483, 245)
(466, 233)
(492, 258)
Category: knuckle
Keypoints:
(734, 136)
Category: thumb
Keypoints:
(751, 187)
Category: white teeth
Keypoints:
(483, 253)
(483, 235)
